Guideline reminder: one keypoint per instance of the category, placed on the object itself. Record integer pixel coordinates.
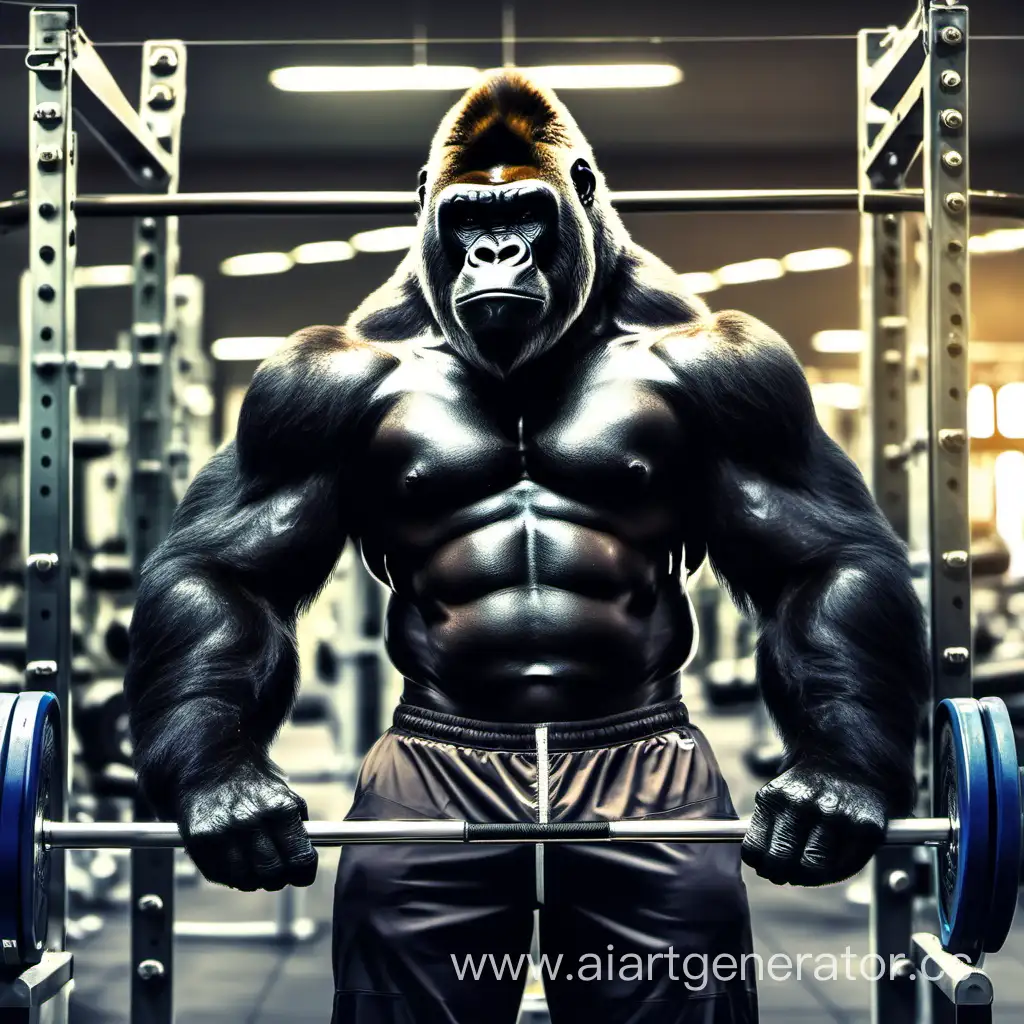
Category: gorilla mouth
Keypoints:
(492, 294)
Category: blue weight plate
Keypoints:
(31, 783)
(962, 789)
(8, 894)
(10, 817)
(1005, 820)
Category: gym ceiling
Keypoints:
(748, 114)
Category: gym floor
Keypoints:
(252, 983)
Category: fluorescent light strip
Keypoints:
(242, 349)
(391, 239)
(423, 77)
(699, 282)
(838, 341)
(605, 76)
(323, 252)
(398, 78)
(251, 264)
(749, 271)
(828, 258)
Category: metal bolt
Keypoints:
(952, 159)
(48, 114)
(956, 202)
(49, 154)
(46, 292)
(953, 440)
(952, 36)
(42, 563)
(161, 97)
(41, 668)
(150, 970)
(954, 346)
(950, 79)
(148, 228)
(892, 357)
(902, 968)
(952, 118)
(955, 559)
(163, 60)
(47, 253)
(956, 655)
(150, 904)
(893, 453)
(47, 211)
(898, 881)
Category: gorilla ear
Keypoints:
(584, 181)
(421, 188)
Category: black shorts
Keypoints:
(630, 931)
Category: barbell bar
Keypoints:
(137, 835)
(14, 212)
(976, 833)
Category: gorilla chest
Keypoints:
(608, 444)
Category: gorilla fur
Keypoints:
(509, 122)
(741, 470)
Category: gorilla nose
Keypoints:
(506, 252)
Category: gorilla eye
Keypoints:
(466, 219)
(527, 216)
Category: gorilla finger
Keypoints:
(296, 852)
(757, 839)
(267, 863)
(781, 862)
(221, 861)
(238, 861)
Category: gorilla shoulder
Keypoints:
(742, 378)
(309, 397)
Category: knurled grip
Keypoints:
(521, 831)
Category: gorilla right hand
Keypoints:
(246, 830)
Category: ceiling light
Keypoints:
(323, 252)
(981, 411)
(837, 341)
(385, 239)
(605, 76)
(750, 270)
(1010, 410)
(104, 276)
(816, 259)
(403, 77)
(837, 394)
(698, 282)
(999, 240)
(252, 263)
(230, 349)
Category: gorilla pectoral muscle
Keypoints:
(533, 434)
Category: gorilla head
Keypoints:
(517, 235)
(511, 226)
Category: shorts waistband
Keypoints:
(588, 734)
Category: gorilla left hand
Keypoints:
(812, 827)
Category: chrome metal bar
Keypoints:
(112, 835)
(14, 212)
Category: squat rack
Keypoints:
(917, 75)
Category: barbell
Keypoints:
(977, 836)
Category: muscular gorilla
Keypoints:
(535, 437)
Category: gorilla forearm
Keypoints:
(843, 672)
(212, 671)
(211, 677)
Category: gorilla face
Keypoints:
(510, 230)
(499, 241)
